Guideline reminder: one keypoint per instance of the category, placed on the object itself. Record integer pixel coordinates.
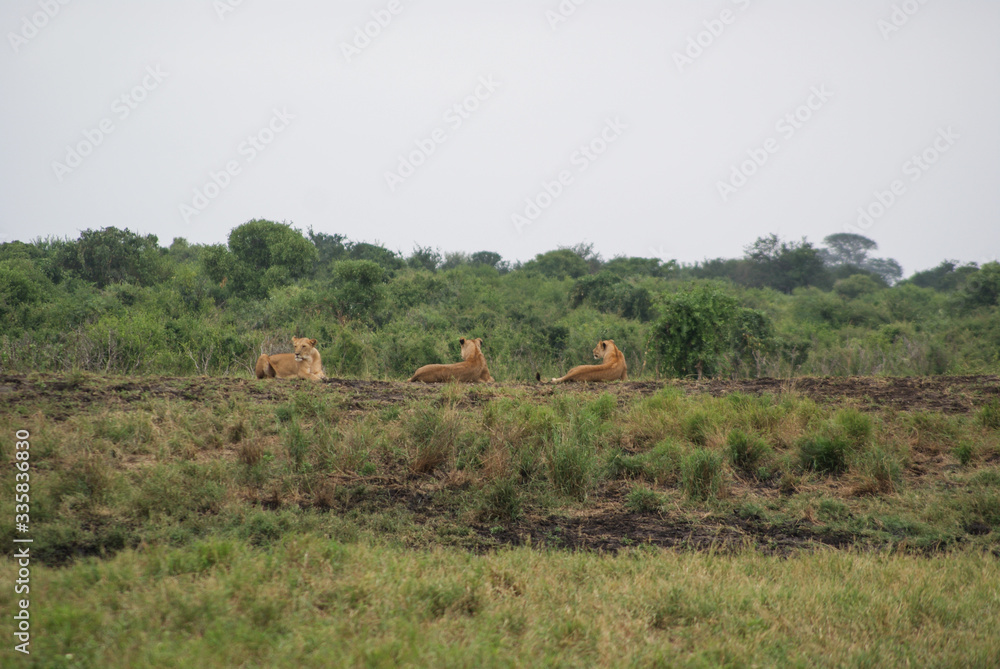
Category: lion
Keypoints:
(612, 369)
(305, 363)
(472, 369)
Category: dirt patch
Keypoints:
(612, 531)
(59, 397)
(945, 394)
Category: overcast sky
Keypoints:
(677, 129)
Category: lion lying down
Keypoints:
(612, 369)
(305, 363)
(472, 369)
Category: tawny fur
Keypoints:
(305, 363)
(472, 369)
(613, 367)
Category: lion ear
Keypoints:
(462, 341)
(611, 341)
(604, 344)
(479, 341)
(312, 342)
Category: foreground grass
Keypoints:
(313, 601)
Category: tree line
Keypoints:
(118, 302)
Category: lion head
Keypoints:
(470, 347)
(303, 348)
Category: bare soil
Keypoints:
(58, 397)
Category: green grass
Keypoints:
(701, 475)
(307, 600)
(404, 527)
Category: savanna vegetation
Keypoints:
(116, 302)
(235, 522)
(185, 514)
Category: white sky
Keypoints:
(678, 129)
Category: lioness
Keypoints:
(305, 363)
(472, 369)
(612, 369)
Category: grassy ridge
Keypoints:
(222, 522)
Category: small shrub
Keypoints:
(701, 474)
(989, 415)
(746, 452)
(643, 500)
(825, 455)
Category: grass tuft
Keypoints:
(989, 415)
(643, 500)
(824, 455)
(701, 474)
(747, 453)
